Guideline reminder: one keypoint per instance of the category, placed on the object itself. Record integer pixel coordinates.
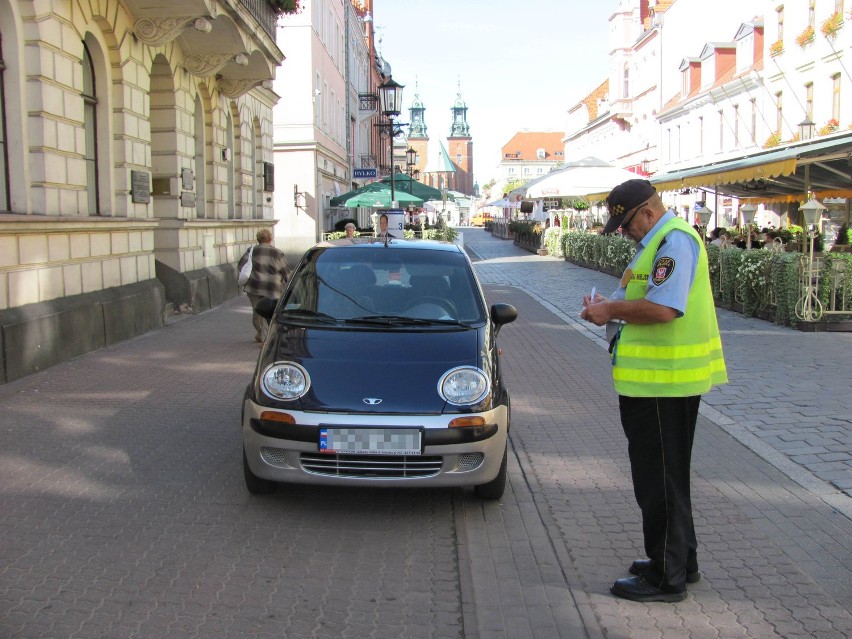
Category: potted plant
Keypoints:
(776, 48)
(841, 242)
(832, 25)
(805, 37)
(285, 6)
(828, 127)
(774, 139)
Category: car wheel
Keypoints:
(256, 485)
(494, 489)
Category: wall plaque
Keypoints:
(187, 198)
(140, 187)
(268, 177)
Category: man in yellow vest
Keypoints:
(666, 352)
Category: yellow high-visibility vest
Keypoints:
(680, 358)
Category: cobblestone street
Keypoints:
(125, 514)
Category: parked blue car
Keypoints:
(381, 368)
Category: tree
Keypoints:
(513, 184)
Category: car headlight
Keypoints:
(285, 380)
(463, 385)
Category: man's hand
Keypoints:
(602, 310)
(597, 310)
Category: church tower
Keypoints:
(461, 147)
(418, 138)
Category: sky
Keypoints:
(521, 64)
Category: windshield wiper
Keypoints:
(307, 315)
(402, 320)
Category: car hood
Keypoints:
(351, 369)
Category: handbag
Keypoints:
(245, 271)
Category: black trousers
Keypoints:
(660, 432)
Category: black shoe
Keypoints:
(639, 567)
(637, 589)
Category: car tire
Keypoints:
(256, 485)
(495, 488)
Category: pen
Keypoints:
(592, 296)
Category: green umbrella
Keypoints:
(375, 194)
(407, 184)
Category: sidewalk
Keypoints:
(789, 396)
(124, 513)
(774, 538)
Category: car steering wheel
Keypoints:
(444, 304)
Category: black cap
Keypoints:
(626, 196)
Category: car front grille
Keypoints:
(274, 456)
(469, 461)
(371, 466)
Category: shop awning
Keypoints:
(823, 167)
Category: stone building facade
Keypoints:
(136, 153)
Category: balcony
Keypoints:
(218, 43)
(262, 11)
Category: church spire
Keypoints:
(460, 128)
(417, 128)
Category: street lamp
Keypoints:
(748, 210)
(390, 104)
(809, 308)
(410, 161)
(806, 129)
(705, 213)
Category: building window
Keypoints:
(229, 165)
(4, 150)
(255, 198)
(779, 13)
(626, 78)
(701, 136)
(721, 130)
(317, 102)
(736, 126)
(677, 142)
(809, 100)
(812, 14)
(458, 159)
(198, 160)
(835, 97)
(540, 154)
(669, 144)
(754, 120)
(90, 125)
(779, 117)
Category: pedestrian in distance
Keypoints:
(350, 230)
(666, 352)
(269, 274)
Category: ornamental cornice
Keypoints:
(158, 31)
(235, 88)
(204, 66)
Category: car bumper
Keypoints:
(289, 453)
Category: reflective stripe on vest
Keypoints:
(673, 359)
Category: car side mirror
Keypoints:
(266, 307)
(503, 314)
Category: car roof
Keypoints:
(375, 244)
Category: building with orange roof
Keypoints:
(528, 155)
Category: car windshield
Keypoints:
(386, 287)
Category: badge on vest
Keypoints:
(663, 268)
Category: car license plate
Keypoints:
(370, 441)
